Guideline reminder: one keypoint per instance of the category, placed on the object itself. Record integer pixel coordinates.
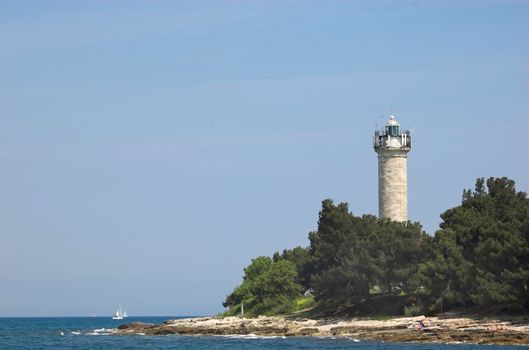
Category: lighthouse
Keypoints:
(392, 146)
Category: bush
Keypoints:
(304, 302)
(413, 310)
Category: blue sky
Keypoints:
(151, 149)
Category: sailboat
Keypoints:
(119, 314)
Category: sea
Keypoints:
(95, 333)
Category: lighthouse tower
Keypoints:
(392, 146)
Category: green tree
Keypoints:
(488, 236)
(344, 283)
(279, 280)
(246, 290)
(480, 256)
(301, 258)
(352, 255)
(334, 238)
(267, 287)
(342, 266)
(257, 268)
(445, 274)
(398, 248)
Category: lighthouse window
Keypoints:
(393, 130)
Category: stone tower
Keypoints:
(392, 146)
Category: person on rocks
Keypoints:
(420, 326)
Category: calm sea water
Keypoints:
(94, 333)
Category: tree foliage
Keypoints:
(479, 256)
(354, 255)
(301, 258)
(481, 252)
(268, 286)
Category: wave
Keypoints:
(101, 331)
(253, 336)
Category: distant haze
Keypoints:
(150, 149)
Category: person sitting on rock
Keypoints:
(494, 329)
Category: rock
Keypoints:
(445, 330)
(305, 332)
(161, 330)
(135, 326)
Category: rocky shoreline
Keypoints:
(443, 329)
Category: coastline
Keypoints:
(445, 328)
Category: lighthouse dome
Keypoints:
(392, 127)
(392, 121)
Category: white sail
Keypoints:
(119, 314)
